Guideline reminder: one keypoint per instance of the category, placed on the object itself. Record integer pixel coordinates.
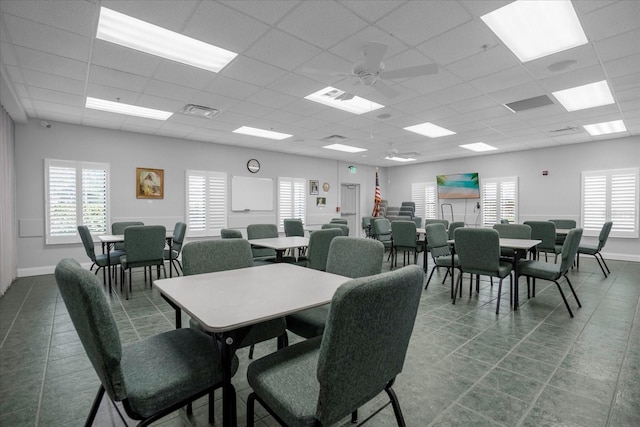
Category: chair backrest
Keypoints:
(404, 234)
(478, 249)
(417, 220)
(343, 227)
(355, 257)
(410, 204)
(318, 250)
(367, 225)
(453, 226)
(407, 210)
(118, 228)
(207, 256)
(570, 249)
(382, 229)
(179, 230)
(545, 231)
(367, 318)
(564, 223)
(338, 221)
(437, 221)
(504, 221)
(94, 322)
(513, 231)
(87, 241)
(293, 227)
(230, 233)
(437, 240)
(604, 234)
(262, 231)
(144, 243)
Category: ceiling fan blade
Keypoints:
(418, 70)
(345, 96)
(385, 89)
(373, 55)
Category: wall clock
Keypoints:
(253, 165)
(325, 187)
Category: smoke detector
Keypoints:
(199, 111)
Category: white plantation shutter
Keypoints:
(499, 200)
(610, 195)
(489, 202)
(424, 195)
(77, 194)
(206, 204)
(291, 200)
(509, 200)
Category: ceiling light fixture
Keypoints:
(129, 110)
(246, 130)
(339, 99)
(400, 159)
(478, 146)
(585, 96)
(124, 30)
(534, 29)
(430, 130)
(605, 127)
(345, 148)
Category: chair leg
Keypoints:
(566, 303)
(429, 279)
(396, 405)
(446, 274)
(94, 407)
(601, 266)
(251, 402)
(212, 400)
(499, 295)
(251, 351)
(354, 417)
(573, 291)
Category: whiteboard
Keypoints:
(251, 194)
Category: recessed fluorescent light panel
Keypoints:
(534, 29)
(400, 159)
(339, 99)
(130, 110)
(430, 130)
(605, 128)
(121, 29)
(345, 148)
(586, 96)
(246, 130)
(478, 146)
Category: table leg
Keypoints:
(453, 268)
(516, 273)
(229, 416)
(170, 242)
(108, 262)
(279, 253)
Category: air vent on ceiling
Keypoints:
(567, 129)
(334, 138)
(199, 111)
(529, 103)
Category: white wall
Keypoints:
(125, 151)
(554, 196)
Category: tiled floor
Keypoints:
(465, 365)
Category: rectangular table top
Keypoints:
(281, 243)
(513, 243)
(231, 299)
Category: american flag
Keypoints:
(377, 199)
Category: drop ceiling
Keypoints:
(51, 61)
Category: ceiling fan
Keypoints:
(392, 152)
(372, 71)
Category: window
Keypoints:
(206, 203)
(610, 195)
(291, 200)
(77, 193)
(499, 200)
(424, 195)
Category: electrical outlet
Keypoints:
(478, 205)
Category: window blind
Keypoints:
(291, 200)
(206, 204)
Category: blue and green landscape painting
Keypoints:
(458, 186)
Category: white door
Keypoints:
(350, 207)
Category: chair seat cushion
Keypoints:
(445, 261)
(174, 255)
(126, 264)
(256, 333)
(588, 249)
(181, 362)
(309, 323)
(504, 268)
(286, 381)
(540, 269)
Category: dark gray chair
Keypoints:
(100, 260)
(117, 228)
(350, 257)
(546, 232)
(179, 230)
(265, 231)
(452, 228)
(367, 225)
(553, 272)
(152, 377)
(512, 231)
(382, 233)
(208, 256)
(339, 221)
(230, 233)
(322, 380)
(318, 250)
(478, 252)
(445, 222)
(343, 227)
(595, 250)
(565, 224)
(144, 247)
(294, 227)
(440, 250)
(405, 239)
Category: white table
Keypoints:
(281, 244)
(226, 302)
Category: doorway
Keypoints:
(350, 207)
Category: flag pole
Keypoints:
(377, 198)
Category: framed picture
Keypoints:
(321, 201)
(314, 187)
(149, 183)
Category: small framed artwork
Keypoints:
(314, 187)
(321, 201)
(149, 183)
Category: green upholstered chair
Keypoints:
(478, 252)
(322, 380)
(512, 231)
(546, 232)
(179, 231)
(437, 221)
(343, 227)
(565, 224)
(208, 256)
(417, 220)
(382, 233)
(406, 211)
(553, 272)
(339, 221)
(318, 250)
(100, 260)
(350, 257)
(262, 231)
(367, 225)
(152, 377)
(440, 250)
(144, 247)
(595, 250)
(117, 228)
(230, 233)
(405, 239)
(294, 227)
(452, 228)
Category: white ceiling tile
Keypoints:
(184, 75)
(271, 98)
(616, 18)
(124, 59)
(70, 15)
(619, 46)
(270, 11)
(508, 78)
(39, 61)
(250, 109)
(623, 66)
(44, 80)
(517, 93)
(159, 103)
(295, 85)
(231, 88)
(282, 50)
(169, 90)
(577, 78)
(458, 43)
(7, 55)
(113, 94)
(169, 14)
(493, 60)
(117, 79)
(372, 11)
